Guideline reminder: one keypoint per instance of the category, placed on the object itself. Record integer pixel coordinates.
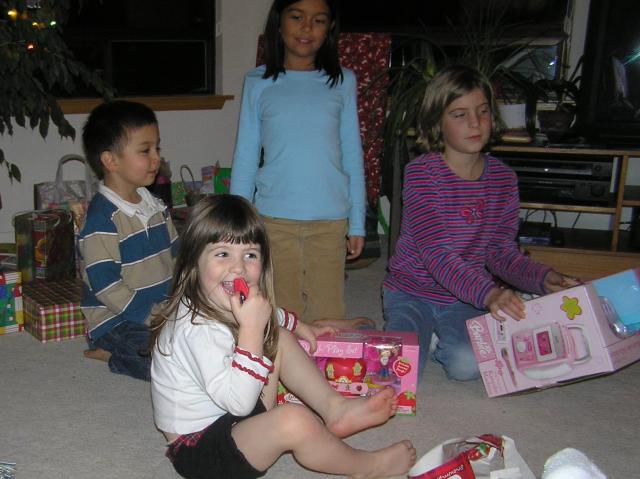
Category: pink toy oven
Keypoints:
(565, 336)
(363, 362)
(549, 350)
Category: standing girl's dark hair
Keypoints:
(217, 219)
(327, 58)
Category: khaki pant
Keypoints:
(308, 266)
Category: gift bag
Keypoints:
(45, 244)
(483, 457)
(73, 195)
(192, 188)
(222, 180)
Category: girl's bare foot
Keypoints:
(391, 461)
(349, 416)
(98, 353)
(353, 323)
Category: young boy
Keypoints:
(128, 241)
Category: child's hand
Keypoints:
(505, 301)
(355, 245)
(309, 333)
(555, 281)
(254, 312)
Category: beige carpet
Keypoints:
(66, 417)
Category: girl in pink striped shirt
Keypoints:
(459, 223)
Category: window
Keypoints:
(146, 47)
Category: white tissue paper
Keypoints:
(570, 463)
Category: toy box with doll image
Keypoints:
(363, 362)
(587, 330)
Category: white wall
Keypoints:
(194, 138)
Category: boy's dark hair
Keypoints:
(448, 85)
(327, 58)
(107, 128)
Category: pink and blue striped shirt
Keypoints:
(456, 234)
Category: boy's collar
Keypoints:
(126, 207)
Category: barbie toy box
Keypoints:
(587, 330)
(363, 362)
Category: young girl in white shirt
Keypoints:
(217, 360)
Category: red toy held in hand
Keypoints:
(240, 285)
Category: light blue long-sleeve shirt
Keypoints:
(313, 167)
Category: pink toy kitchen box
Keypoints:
(363, 362)
(566, 335)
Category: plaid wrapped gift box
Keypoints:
(52, 309)
(11, 314)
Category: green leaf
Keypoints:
(14, 172)
(44, 126)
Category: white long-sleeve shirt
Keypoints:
(198, 374)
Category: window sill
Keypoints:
(156, 103)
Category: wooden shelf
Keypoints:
(565, 151)
(631, 196)
(583, 263)
(574, 208)
(156, 103)
(602, 252)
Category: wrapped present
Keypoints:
(222, 180)
(53, 245)
(52, 310)
(45, 244)
(11, 313)
(23, 225)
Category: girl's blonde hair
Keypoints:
(448, 85)
(216, 219)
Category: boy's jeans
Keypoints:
(405, 312)
(128, 344)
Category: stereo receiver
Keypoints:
(564, 179)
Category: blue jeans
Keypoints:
(405, 312)
(128, 344)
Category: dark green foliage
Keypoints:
(34, 63)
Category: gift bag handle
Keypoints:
(89, 178)
(185, 167)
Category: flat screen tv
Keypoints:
(610, 87)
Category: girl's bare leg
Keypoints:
(264, 438)
(343, 416)
(291, 427)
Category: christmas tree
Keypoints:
(35, 64)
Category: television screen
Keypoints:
(610, 101)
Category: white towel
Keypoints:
(570, 463)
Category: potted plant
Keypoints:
(489, 44)
(564, 94)
(35, 64)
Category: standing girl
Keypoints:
(218, 358)
(459, 223)
(300, 111)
